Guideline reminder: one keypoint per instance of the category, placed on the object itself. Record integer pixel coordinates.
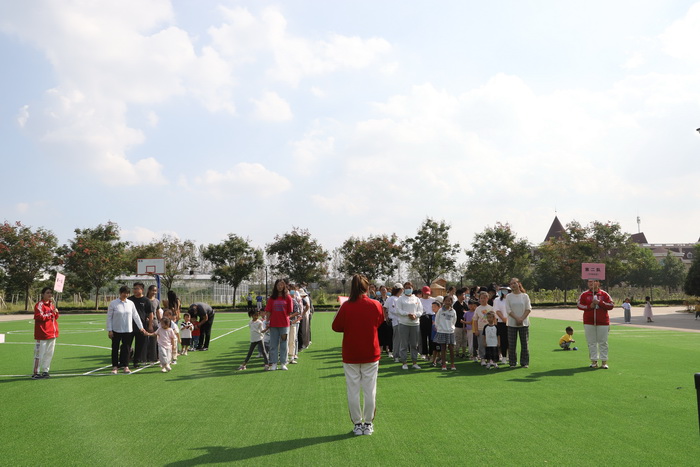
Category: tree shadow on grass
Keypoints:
(537, 375)
(221, 454)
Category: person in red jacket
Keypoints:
(45, 333)
(595, 304)
(359, 319)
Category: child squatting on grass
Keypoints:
(257, 332)
(167, 343)
(567, 339)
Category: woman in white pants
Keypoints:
(595, 304)
(359, 319)
(45, 333)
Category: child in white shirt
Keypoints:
(186, 329)
(492, 340)
(445, 320)
(257, 331)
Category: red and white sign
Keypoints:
(593, 271)
(60, 280)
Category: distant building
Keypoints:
(683, 251)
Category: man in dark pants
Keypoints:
(145, 312)
(205, 315)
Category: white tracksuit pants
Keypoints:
(361, 375)
(597, 338)
(43, 353)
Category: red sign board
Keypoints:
(593, 271)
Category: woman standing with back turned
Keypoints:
(358, 319)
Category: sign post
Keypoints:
(58, 285)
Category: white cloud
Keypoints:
(681, 39)
(313, 146)
(23, 116)
(244, 37)
(272, 108)
(142, 235)
(243, 180)
(22, 208)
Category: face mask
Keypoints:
(292, 292)
(407, 292)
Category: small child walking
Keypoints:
(567, 339)
(167, 343)
(186, 329)
(195, 333)
(445, 320)
(257, 331)
(492, 340)
(648, 314)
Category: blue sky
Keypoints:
(200, 118)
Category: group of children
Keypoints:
(169, 334)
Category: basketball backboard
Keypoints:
(150, 266)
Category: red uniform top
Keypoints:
(280, 308)
(599, 316)
(45, 325)
(359, 321)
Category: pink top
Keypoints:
(166, 338)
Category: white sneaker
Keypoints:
(284, 367)
(415, 367)
(367, 429)
(495, 365)
(483, 363)
(404, 367)
(273, 367)
(397, 360)
(390, 355)
(358, 430)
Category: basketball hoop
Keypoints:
(150, 266)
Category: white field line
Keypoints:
(94, 372)
(98, 369)
(219, 337)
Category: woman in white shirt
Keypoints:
(409, 308)
(518, 309)
(121, 313)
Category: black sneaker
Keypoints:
(359, 430)
(45, 375)
(37, 376)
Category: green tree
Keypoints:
(614, 248)
(672, 272)
(558, 260)
(430, 252)
(644, 269)
(692, 279)
(25, 255)
(95, 257)
(298, 256)
(234, 261)
(375, 257)
(496, 255)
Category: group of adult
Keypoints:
(130, 318)
(369, 309)
(409, 321)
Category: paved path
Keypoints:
(667, 317)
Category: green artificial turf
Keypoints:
(641, 411)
